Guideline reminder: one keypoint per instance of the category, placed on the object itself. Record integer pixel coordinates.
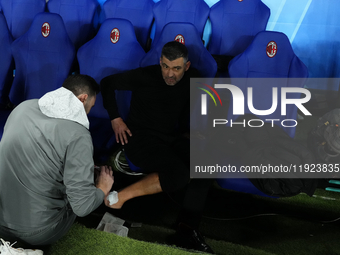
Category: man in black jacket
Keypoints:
(153, 135)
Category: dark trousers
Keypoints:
(170, 158)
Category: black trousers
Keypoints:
(169, 156)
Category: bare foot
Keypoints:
(117, 205)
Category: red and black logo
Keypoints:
(45, 29)
(180, 38)
(115, 35)
(271, 49)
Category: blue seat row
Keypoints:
(45, 55)
(234, 23)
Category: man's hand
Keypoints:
(120, 129)
(105, 179)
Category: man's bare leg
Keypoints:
(147, 186)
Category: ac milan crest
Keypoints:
(115, 35)
(180, 38)
(271, 49)
(45, 29)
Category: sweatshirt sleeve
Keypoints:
(81, 191)
(129, 80)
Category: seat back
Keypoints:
(77, 16)
(113, 50)
(43, 58)
(187, 34)
(195, 12)
(268, 62)
(234, 25)
(19, 14)
(139, 13)
(6, 71)
(6, 62)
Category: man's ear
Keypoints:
(187, 65)
(82, 97)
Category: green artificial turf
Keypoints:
(82, 240)
(233, 223)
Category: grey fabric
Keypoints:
(46, 166)
(46, 236)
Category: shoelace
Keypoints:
(120, 166)
(9, 245)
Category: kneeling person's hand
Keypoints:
(105, 179)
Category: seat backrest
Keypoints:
(268, 62)
(6, 61)
(139, 13)
(43, 58)
(187, 34)
(113, 50)
(234, 25)
(19, 14)
(195, 12)
(77, 16)
(6, 71)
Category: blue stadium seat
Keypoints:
(195, 12)
(43, 58)
(139, 13)
(6, 71)
(19, 14)
(6, 62)
(269, 56)
(78, 18)
(187, 34)
(234, 25)
(113, 50)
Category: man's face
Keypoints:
(173, 71)
(89, 103)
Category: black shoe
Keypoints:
(189, 238)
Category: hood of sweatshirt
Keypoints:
(63, 104)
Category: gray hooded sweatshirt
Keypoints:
(46, 163)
